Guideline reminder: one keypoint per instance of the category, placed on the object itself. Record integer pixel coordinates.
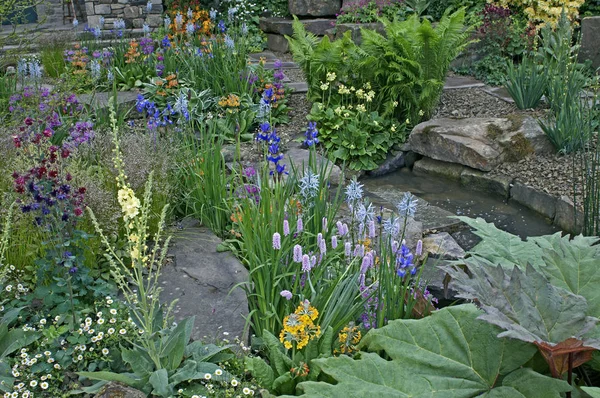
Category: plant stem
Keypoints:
(72, 303)
(570, 373)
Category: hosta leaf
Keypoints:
(524, 304)
(449, 354)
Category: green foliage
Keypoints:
(180, 362)
(8, 87)
(450, 353)
(354, 136)
(204, 181)
(568, 127)
(589, 167)
(53, 61)
(272, 271)
(491, 68)
(357, 12)
(510, 300)
(593, 392)
(410, 63)
(363, 93)
(437, 8)
(503, 37)
(277, 375)
(11, 340)
(526, 83)
(564, 271)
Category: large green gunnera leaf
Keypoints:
(500, 247)
(575, 266)
(450, 354)
(524, 304)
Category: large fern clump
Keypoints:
(409, 64)
(367, 95)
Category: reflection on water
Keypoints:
(451, 196)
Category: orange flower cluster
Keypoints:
(79, 61)
(231, 101)
(278, 94)
(301, 371)
(200, 18)
(167, 85)
(132, 53)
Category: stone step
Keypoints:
(298, 87)
(461, 82)
(203, 281)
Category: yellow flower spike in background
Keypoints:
(542, 12)
(138, 279)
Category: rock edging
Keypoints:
(560, 210)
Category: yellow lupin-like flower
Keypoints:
(130, 204)
(331, 76)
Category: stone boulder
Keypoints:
(590, 35)
(203, 279)
(479, 143)
(283, 26)
(442, 245)
(114, 390)
(314, 8)
(392, 162)
(297, 158)
(355, 30)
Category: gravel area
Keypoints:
(295, 75)
(554, 174)
(471, 102)
(299, 109)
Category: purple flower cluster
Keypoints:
(45, 187)
(268, 136)
(81, 133)
(250, 188)
(404, 262)
(311, 135)
(147, 45)
(48, 107)
(155, 117)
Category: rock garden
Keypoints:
(300, 198)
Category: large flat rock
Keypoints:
(432, 218)
(479, 143)
(298, 158)
(283, 26)
(314, 8)
(202, 279)
(590, 36)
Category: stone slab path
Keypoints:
(202, 279)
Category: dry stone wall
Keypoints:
(133, 12)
